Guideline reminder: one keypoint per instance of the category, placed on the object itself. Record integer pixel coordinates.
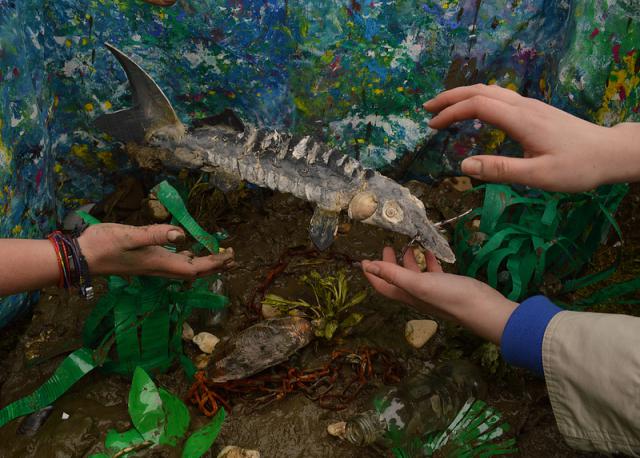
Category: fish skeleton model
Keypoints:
(306, 168)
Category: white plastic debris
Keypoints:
(418, 332)
(65, 416)
(206, 342)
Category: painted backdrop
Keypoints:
(353, 72)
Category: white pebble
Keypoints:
(187, 331)
(206, 341)
(231, 451)
(418, 332)
(338, 429)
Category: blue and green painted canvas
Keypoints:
(351, 71)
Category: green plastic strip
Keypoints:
(170, 198)
(73, 368)
(87, 218)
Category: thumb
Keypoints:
(501, 169)
(157, 234)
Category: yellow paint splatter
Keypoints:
(82, 151)
(378, 91)
(512, 87)
(300, 105)
(107, 105)
(620, 80)
(84, 42)
(360, 140)
(88, 106)
(400, 89)
(107, 159)
(57, 168)
(17, 230)
(68, 43)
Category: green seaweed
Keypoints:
(331, 311)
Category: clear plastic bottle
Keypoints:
(420, 405)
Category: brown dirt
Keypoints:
(262, 227)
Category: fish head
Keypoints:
(384, 203)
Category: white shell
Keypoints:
(362, 206)
(206, 341)
(392, 212)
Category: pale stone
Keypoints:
(232, 451)
(187, 332)
(338, 429)
(157, 211)
(206, 341)
(421, 260)
(461, 184)
(269, 311)
(201, 361)
(418, 332)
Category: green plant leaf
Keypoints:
(351, 320)
(201, 440)
(355, 300)
(145, 407)
(117, 441)
(330, 329)
(99, 455)
(177, 418)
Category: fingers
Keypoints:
(504, 169)
(157, 234)
(184, 266)
(386, 289)
(410, 282)
(389, 255)
(433, 265)
(453, 96)
(409, 261)
(496, 112)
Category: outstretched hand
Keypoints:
(129, 250)
(561, 152)
(462, 299)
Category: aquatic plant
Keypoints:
(158, 418)
(537, 241)
(330, 312)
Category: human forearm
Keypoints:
(26, 265)
(620, 159)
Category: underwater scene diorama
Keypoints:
(277, 127)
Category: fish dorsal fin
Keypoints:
(151, 112)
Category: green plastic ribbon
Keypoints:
(170, 198)
(524, 240)
(73, 368)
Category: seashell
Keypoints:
(206, 341)
(362, 206)
(392, 212)
(201, 361)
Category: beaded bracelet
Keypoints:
(74, 270)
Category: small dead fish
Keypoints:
(261, 346)
(31, 424)
(301, 166)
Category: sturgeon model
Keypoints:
(304, 167)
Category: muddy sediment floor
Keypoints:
(262, 228)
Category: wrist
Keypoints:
(619, 157)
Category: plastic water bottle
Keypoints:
(422, 404)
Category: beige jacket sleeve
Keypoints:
(592, 368)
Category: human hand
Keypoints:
(117, 249)
(462, 299)
(561, 152)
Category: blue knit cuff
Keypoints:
(521, 341)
